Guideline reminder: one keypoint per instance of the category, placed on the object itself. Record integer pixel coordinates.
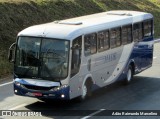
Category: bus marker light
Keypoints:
(15, 91)
(62, 96)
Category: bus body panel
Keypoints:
(106, 67)
(143, 55)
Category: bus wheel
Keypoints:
(86, 90)
(129, 75)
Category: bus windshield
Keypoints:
(42, 58)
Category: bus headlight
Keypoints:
(17, 83)
(59, 88)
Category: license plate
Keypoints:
(37, 94)
(34, 94)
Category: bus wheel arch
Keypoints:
(86, 89)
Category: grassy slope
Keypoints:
(16, 15)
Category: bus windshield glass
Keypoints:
(42, 58)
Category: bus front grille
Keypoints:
(38, 88)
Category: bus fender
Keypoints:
(87, 77)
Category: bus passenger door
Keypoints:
(75, 67)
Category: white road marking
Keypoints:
(6, 84)
(19, 106)
(86, 117)
(154, 57)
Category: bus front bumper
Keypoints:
(59, 93)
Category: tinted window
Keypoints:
(115, 37)
(42, 58)
(118, 36)
(126, 34)
(76, 55)
(103, 40)
(147, 28)
(137, 32)
(90, 44)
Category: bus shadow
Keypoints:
(113, 97)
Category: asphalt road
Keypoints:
(142, 94)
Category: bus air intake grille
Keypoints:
(40, 88)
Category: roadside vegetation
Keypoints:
(16, 15)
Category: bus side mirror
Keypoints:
(11, 52)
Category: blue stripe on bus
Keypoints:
(142, 57)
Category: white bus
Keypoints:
(70, 58)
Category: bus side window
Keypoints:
(126, 34)
(147, 28)
(137, 32)
(118, 36)
(106, 40)
(101, 37)
(115, 37)
(129, 30)
(76, 55)
(103, 40)
(90, 44)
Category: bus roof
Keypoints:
(71, 28)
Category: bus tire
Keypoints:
(86, 91)
(129, 75)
